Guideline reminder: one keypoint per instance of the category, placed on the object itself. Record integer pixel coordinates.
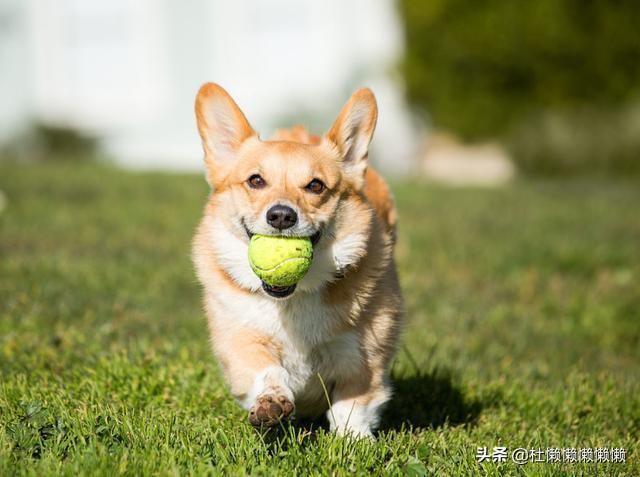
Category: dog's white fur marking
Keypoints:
(271, 380)
(231, 253)
(349, 417)
(347, 251)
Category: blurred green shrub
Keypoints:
(514, 69)
(44, 142)
(582, 140)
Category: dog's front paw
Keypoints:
(270, 409)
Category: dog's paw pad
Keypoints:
(287, 406)
(269, 410)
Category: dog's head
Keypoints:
(285, 187)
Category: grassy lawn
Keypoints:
(523, 330)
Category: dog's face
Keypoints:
(287, 188)
(283, 188)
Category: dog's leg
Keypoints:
(269, 400)
(355, 409)
(258, 381)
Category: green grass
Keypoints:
(523, 330)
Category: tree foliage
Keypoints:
(480, 66)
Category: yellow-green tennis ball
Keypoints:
(280, 261)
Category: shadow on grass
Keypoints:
(422, 401)
(428, 400)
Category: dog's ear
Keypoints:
(352, 132)
(222, 126)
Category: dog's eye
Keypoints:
(256, 181)
(316, 186)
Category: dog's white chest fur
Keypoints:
(311, 352)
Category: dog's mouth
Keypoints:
(315, 238)
(278, 292)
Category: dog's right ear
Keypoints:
(222, 126)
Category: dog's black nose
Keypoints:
(281, 217)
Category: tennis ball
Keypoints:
(280, 261)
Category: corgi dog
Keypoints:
(324, 344)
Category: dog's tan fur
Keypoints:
(340, 327)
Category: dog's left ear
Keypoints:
(352, 132)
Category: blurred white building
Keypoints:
(128, 70)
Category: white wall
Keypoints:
(15, 74)
(129, 70)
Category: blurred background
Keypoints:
(469, 92)
(126, 72)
